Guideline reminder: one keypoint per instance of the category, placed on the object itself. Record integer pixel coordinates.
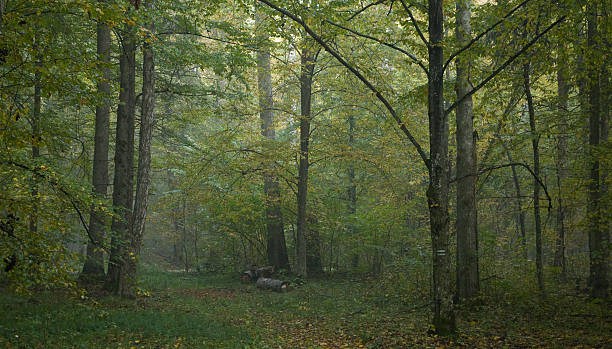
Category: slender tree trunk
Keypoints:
(307, 68)
(520, 216)
(352, 189)
(144, 156)
(535, 139)
(276, 247)
(467, 230)
(437, 192)
(598, 238)
(36, 110)
(124, 158)
(94, 262)
(561, 163)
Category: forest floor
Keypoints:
(179, 310)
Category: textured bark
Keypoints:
(561, 159)
(144, 159)
(307, 67)
(598, 238)
(467, 230)
(276, 247)
(535, 139)
(437, 192)
(94, 261)
(124, 158)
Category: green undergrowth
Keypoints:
(217, 311)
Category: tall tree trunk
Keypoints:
(437, 192)
(144, 156)
(598, 238)
(94, 262)
(561, 161)
(36, 110)
(124, 158)
(535, 139)
(307, 68)
(276, 247)
(467, 231)
(352, 189)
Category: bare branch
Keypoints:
(413, 57)
(506, 63)
(414, 23)
(360, 76)
(365, 8)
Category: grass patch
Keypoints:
(216, 311)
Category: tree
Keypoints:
(276, 247)
(94, 261)
(468, 283)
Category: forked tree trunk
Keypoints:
(437, 192)
(124, 158)
(276, 246)
(468, 283)
(94, 262)
(144, 157)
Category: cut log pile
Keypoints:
(262, 276)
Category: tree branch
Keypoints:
(365, 81)
(365, 8)
(479, 36)
(415, 24)
(413, 57)
(506, 63)
(488, 169)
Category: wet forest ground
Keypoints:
(179, 310)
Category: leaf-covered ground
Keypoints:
(181, 310)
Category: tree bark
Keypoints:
(124, 158)
(561, 159)
(437, 192)
(598, 238)
(535, 139)
(276, 247)
(144, 156)
(94, 261)
(467, 230)
(307, 67)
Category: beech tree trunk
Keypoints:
(94, 261)
(144, 157)
(307, 68)
(437, 192)
(124, 158)
(561, 160)
(535, 139)
(276, 246)
(467, 230)
(598, 238)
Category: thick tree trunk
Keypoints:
(276, 247)
(598, 238)
(437, 192)
(94, 262)
(467, 231)
(124, 158)
(561, 160)
(535, 139)
(144, 158)
(307, 67)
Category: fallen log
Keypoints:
(248, 276)
(254, 273)
(272, 284)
